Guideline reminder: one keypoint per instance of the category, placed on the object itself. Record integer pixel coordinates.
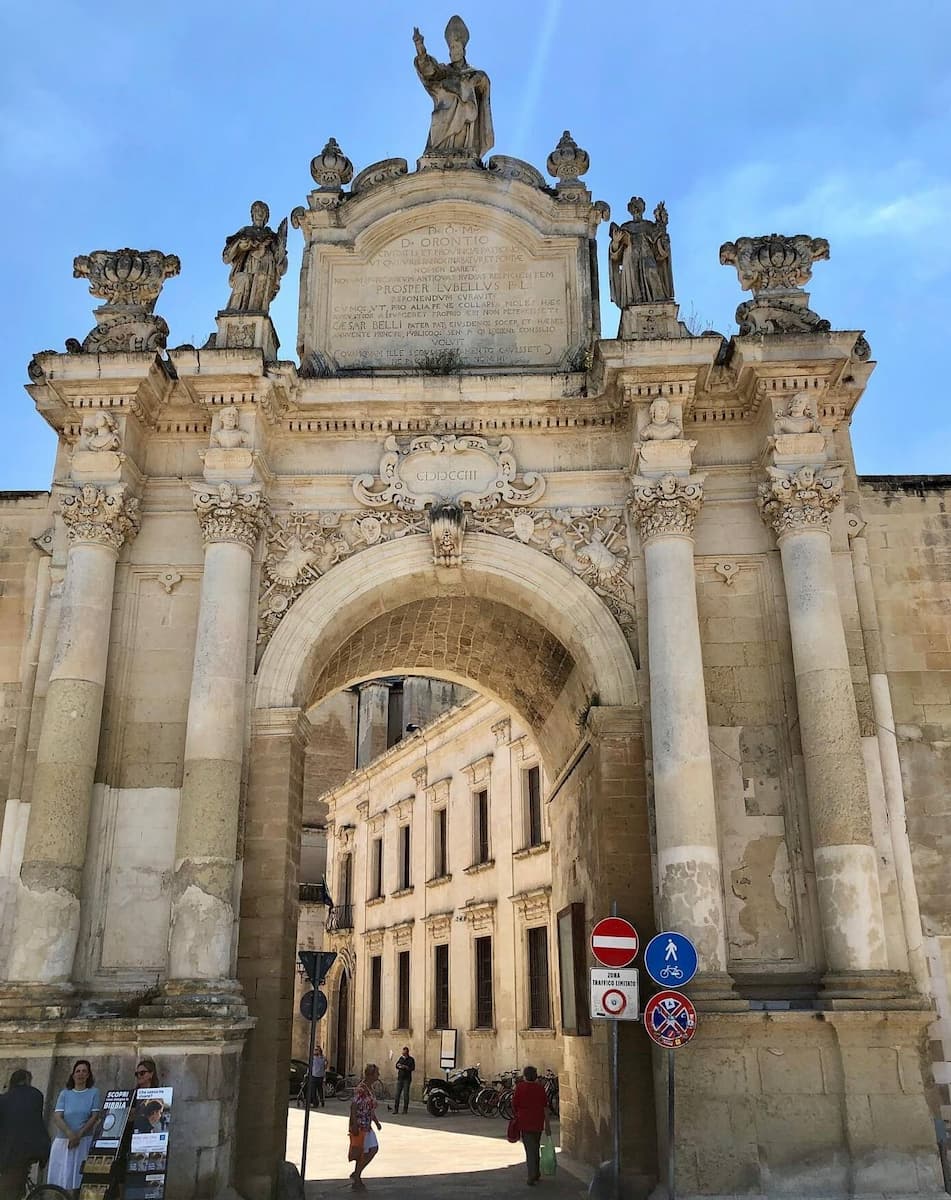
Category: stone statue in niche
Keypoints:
(447, 526)
(661, 427)
(462, 119)
(798, 417)
(258, 258)
(639, 256)
(99, 433)
(228, 435)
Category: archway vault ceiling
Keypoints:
(488, 645)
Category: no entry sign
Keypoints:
(614, 942)
(670, 1019)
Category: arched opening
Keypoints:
(518, 627)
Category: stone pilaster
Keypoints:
(200, 972)
(664, 510)
(797, 503)
(99, 520)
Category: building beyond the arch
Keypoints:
(653, 550)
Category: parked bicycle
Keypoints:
(43, 1191)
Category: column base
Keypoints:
(38, 1001)
(715, 991)
(870, 991)
(197, 998)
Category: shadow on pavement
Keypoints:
(470, 1185)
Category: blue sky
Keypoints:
(156, 125)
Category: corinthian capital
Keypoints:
(667, 506)
(229, 512)
(797, 499)
(105, 516)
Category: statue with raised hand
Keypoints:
(639, 255)
(462, 119)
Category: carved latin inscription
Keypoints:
(447, 287)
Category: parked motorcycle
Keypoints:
(453, 1094)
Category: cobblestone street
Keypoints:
(420, 1158)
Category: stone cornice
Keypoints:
(106, 516)
(666, 507)
(229, 512)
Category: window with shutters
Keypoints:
(376, 991)
(402, 990)
(484, 1008)
(441, 981)
(405, 866)
(481, 823)
(539, 996)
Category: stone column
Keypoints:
(688, 856)
(200, 941)
(98, 522)
(797, 504)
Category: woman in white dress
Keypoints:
(74, 1118)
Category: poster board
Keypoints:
(147, 1165)
(447, 1049)
(106, 1143)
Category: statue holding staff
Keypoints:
(639, 255)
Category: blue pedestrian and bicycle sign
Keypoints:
(671, 960)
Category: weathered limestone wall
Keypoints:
(909, 541)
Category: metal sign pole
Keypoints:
(310, 1082)
(670, 1125)
(615, 1098)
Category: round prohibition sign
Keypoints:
(613, 1002)
(670, 1019)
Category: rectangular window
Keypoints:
(539, 1000)
(376, 868)
(483, 966)
(441, 979)
(402, 990)
(376, 991)
(440, 855)
(405, 868)
(482, 826)
(533, 805)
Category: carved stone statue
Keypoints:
(462, 118)
(639, 255)
(258, 258)
(447, 526)
(228, 435)
(99, 432)
(798, 417)
(661, 428)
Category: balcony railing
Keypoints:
(313, 893)
(339, 917)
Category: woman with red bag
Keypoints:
(530, 1106)
(363, 1141)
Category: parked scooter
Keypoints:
(454, 1094)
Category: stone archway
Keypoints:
(520, 627)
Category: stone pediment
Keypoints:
(443, 271)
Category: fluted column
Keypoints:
(688, 856)
(98, 522)
(797, 503)
(200, 942)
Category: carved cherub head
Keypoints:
(799, 406)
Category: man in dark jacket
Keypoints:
(23, 1136)
(405, 1066)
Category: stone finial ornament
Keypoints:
(258, 259)
(331, 168)
(639, 257)
(567, 161)
(775, 268)
(130, 282)
(447, 525)
(461, 123)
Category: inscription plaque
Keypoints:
(449, 286)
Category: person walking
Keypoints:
(318, 1072)
(363, 1141)
(74, 1118)
(23, 1136)
(530, 1108)
(405, 1066)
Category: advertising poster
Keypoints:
(106, 1143)
(148, 1152)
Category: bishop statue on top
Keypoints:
(462, 119)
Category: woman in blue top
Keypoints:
(74, 1118)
